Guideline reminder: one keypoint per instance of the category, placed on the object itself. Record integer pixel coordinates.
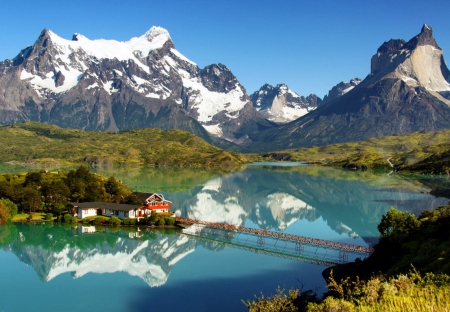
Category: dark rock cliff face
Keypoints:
(402, 94)
(340, 89)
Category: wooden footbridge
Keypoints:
(299, 240)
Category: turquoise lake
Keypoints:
(61, 268)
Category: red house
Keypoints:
(157, 203)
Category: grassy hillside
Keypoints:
(36, 143)
(427, 152)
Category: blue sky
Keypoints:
(309, 45)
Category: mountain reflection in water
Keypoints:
(316, 202)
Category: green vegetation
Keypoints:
(44, 194)
(49, 146)
(406, 242)
(405, 292)
(7, 210)
(424, 152)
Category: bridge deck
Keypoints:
(283, 236)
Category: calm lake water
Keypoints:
(58, 268)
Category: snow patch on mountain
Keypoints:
(209, 103)
(72, 77)
(214, 129)
(110, 49)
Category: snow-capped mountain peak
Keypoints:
(122, 85)
(157, 33)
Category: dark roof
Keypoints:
(142, 196)
(101, 205)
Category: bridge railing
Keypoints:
(297, 238)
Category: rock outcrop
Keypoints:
(281, 105)
(405, 92)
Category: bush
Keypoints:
(48, 216)
(114, 221)
(161, 222)
(129, 221)
(396, 225)
(67, 218)
(278, 302)
(169, 220)
(59, 218)
(99, 220)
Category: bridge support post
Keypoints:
(299, 247)
(343, 256)
(261, 241)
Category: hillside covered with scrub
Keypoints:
(48, 145)
(422, 152)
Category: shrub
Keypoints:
(67, 218)
(99, 220)
(129, 221)
(169, 220)
(161, 222)
(396, 225)
(48, 216)
(114, 221)
(278, 302)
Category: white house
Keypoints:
(155, 202)
(121, 211)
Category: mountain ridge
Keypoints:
(107, 85)
(402, 93)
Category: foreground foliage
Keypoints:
(405, 292)
(406, 241)
(49, 145)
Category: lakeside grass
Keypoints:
(22, 217)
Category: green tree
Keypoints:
(85, 186)
(131, 199)
(33, 178)
(112, 186)
(7, 210)
(30, 199)
(396, 225)
(56, 194)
